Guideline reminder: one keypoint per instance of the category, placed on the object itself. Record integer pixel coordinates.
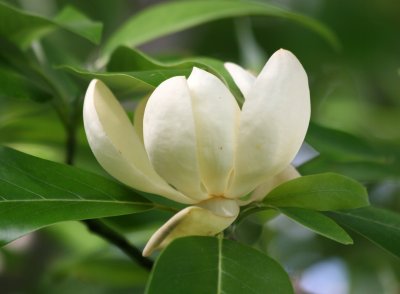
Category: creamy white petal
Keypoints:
(289, 173)
(242, 78)
(207, 219)
(170, 138)
(138, 117)
(216, 115)
(116, 145)
(274, 122)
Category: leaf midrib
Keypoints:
(74, 200)
(280, 196)
(219, 280)
(112, 199)
(371, 221)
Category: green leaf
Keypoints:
(131, 71)
(35, 193)
(380, 226)
(15, 85)
(76, 22)
(23, 27)
(369, 171)
(126, 59)
(318, 223)
(172, 17)
(214, 265)
(26, 73)
(128, 83)
(326, 191)
(340, 145)
(353, 156)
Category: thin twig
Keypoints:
(71, 131)
(118, 240)
(70, 144)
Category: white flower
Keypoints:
(193, 144)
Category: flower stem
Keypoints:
(99, 228)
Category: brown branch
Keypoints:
(118, 240)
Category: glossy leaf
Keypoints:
(369, 171)
(125, 59)
(319, 223)
(323, 192)
(23, 27)
(126, 83)
(172, 17)
(35, 193)
(378, 225)
(214, 265)
(131, 71)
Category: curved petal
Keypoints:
(273, 122)
(116, 145)
(216, 116)
(138, 117)
(289, 173)
(242, 78)
(208, 219)
(170, 138)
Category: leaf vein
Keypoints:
(21, 188)
(74, 200)
(41, 181)
(91, 187)
(219, 281)
(373, 221)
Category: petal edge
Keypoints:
(209, 219)
(116, 146)
(274, 121)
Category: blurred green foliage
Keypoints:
(355, 95)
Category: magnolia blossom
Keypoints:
(192, 144)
